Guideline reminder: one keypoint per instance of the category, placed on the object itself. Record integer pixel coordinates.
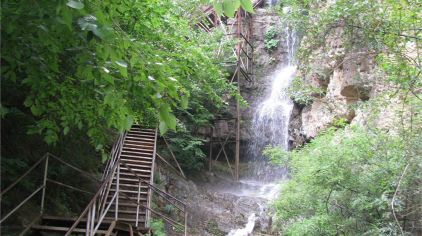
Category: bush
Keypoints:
(158, 227)
(303, 93)
(344, 181)
(270, 39)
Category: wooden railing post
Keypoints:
(186, 221)
(138, 203)
(117, 190)
(44, 184)
(88, 222)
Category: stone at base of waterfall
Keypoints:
(247, 230)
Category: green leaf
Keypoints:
(167, 117)
(164, 112)
(75, 4)
(121, 63)
(229, 7)
(123, 72)
(163, 127)
(129, 122)
(36, 110)
(247, 5)
(66, 130)
(218, 7)
(172, 122)
(3, 111)
(184, 102)
(28, 102)
(104, 157)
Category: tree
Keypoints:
(94, 65)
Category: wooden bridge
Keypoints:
(122, 203)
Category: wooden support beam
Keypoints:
(174, 157)
(172, 167)
(237, 155)
(222, 146)
(228, 163)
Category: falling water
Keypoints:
(271, 3)
(270, 124)
(270, 127)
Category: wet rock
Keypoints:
(212, 211)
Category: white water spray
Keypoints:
(247, 230)
(270, 125)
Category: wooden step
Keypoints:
(151, 141)
(126, 204)
(131, 165)
(136, 153)
(129, 155)
(141, 211)
(132, 199)
(135, 142)
(140, 132)
(143, 186)
(132, 179)
(136, 161)
(138, 145)
(137, 149)
(136, 170)
(141, 135)
(141, 129)
(63, 229)
(128, 191)
(127, 219)
(138, 174)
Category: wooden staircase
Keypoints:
(122, 203)
(137, 161)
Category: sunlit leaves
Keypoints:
(75, 4)
(247, 5)
(229, 7)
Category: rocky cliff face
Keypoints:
(347, 79)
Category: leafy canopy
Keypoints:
(94, 65)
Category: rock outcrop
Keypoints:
(347, 78)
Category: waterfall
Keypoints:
(270, 124)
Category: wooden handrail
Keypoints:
(75, 168)
(173, 222)
(152, 186)
(91, 203)
(23, 176)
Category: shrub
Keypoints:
(344, 181)
(270, 39)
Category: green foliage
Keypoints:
(158, 227)
(270, 39)
(212, 227)
(187, 149)
(340, 122)
(229, 7)
(344, 181)
(277, 155)
(388, 29)
(303, 93)
(94, 65)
